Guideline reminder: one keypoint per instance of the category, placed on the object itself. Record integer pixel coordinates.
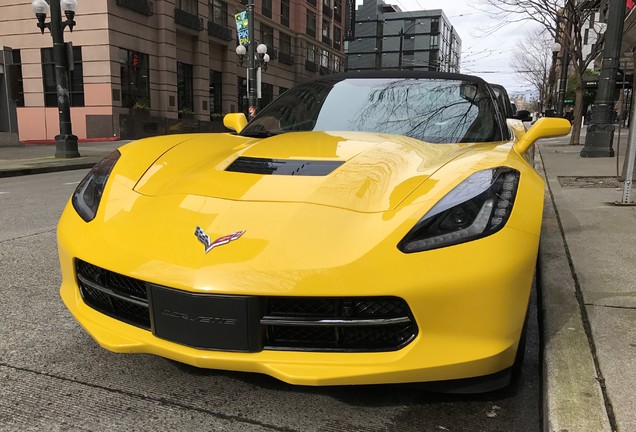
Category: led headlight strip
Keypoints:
(88, 193)
(476, 208)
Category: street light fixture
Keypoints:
(258, 60)
(65, 142)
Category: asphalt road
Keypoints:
(53, 376)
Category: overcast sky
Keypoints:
(486, 56)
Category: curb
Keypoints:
(83, 140)
(16, 172)
(572, 395)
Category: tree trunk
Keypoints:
(575, 139)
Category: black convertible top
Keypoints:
(399, 74)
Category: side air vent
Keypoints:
(283, 166)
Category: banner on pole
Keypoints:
(242, 31)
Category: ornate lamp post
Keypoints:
(254, 61)
(65, 142)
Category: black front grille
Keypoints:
(338, 324)
(113, 294)
(345, 324)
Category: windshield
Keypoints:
(432, 110)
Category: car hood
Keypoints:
(356, 171)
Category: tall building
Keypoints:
(149, 67)
(387, 38)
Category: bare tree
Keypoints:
(565, 21)
(532, 62)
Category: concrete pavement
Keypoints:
(586, 281)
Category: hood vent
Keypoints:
(283, 166)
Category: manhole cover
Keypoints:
(589, 182)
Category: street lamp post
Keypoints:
(65, 142)
(402, 33)
(253, 62)
(600, 132)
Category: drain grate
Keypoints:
(581, 182)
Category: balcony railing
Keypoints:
(143, 7)
(311, 66)
(219, 31)
(286, 58)
(187, 19)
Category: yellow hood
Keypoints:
(372, 172)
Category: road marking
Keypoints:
(71, 183)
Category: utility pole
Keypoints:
(251, 71)
(600, 133)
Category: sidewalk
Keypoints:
(587, 274)
(37, 159)
(587, 278)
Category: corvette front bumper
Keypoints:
(468, 306)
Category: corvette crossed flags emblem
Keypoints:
(209, 245)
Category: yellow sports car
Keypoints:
(362, 229)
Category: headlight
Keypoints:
(477, 207)
(89, 192)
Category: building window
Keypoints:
(267, 37)
(336, 64)
(75, 78)
(185, 89)
(337, 38)
(285, 43)
(325, 32)
(337, 10)
(267, 8)
(311, 23)
(190, 6)
(267, 94)
(324, 59)
(434, 26)
(284, 12)
(216, 95)
(242, 95)
(217, 12)
(135, 79)
(311, 53)
(17, 61)
(434, 41)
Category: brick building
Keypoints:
(148, 67)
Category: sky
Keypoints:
(487, 56)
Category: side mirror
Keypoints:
(546, 127)
(235, 121)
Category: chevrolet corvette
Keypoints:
(363, 228)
